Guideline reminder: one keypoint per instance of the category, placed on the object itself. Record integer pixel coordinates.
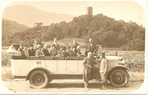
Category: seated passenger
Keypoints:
(26, 51)
(21, 50)
(12, 51)
(55, 44)
(91, 47)
(78, 51)
(52, 51)
(39, 52)
(31, 51)
(35, 44)
(70, 52)
(75, 45)
(45, 51)
(63, 52)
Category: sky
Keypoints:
(126, 10)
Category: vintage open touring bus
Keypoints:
(40, 71)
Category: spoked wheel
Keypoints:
(119, 77)
(38, 79)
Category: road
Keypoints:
(69, 86)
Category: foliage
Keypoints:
(106, 31)
(9, 28)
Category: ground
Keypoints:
(58, 86)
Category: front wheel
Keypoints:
(38, 79)
(119, 77)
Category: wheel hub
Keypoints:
(37, 80)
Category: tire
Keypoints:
(38, 79)
(118, 77)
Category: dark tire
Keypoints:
(118, 77)
(38, 79)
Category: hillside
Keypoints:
(9, 28)
(29, 15)
(105, 31)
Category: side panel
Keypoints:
(20, 67)
(74, 67)
(63, 66)
(23, 67)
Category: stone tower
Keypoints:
(90, 11)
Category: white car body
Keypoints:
(22, 67)
(42, 70)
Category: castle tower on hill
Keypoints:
(90, 11)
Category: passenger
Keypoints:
(74, 47)
(63, 52)
(78, 51)
(55, 44)
(89, 65)
(26, 51)
(68, 51)
(103, 68)
(75, 44)
(37, 43)
(31, 51)
(54, 48)
(12, 51)
(91, 47)
(52, 51)
(39, 52)
(45, 50)
(21, 50)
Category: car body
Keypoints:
(57, 67)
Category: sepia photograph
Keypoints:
(73, 47)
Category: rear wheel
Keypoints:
(38, 79)
(119, 77)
